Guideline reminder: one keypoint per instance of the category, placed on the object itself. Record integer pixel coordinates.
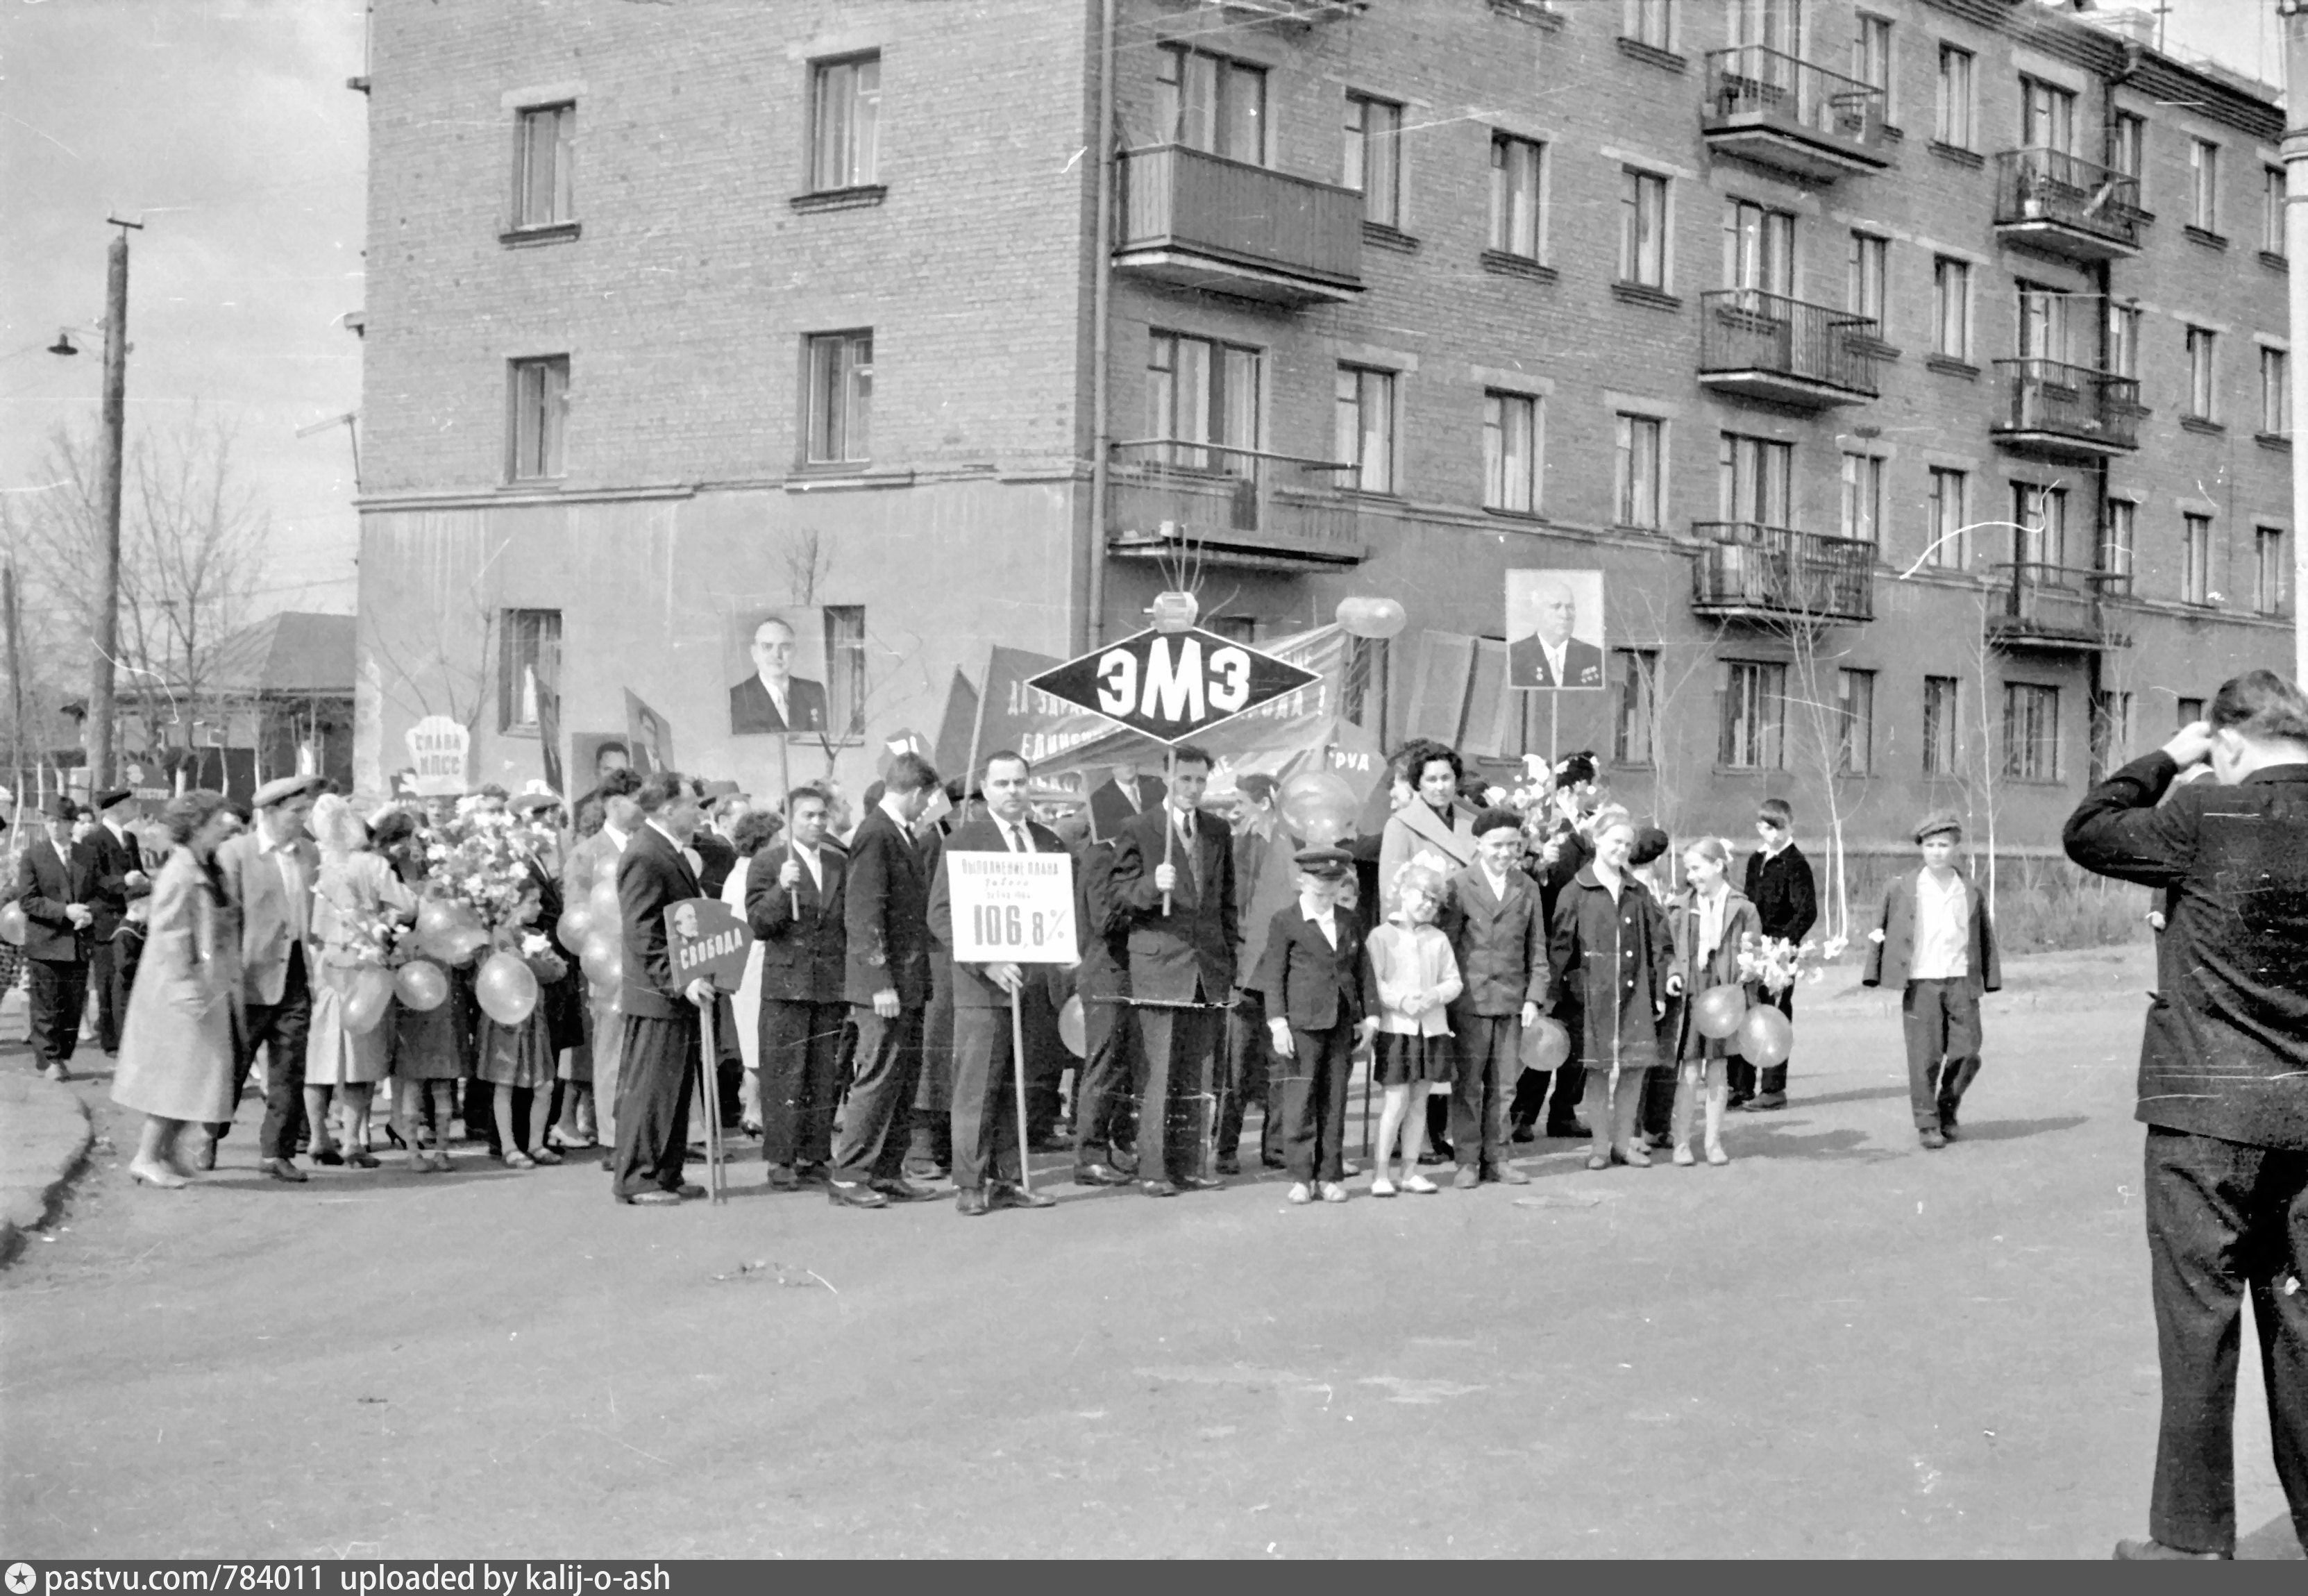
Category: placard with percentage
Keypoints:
(1012, 908)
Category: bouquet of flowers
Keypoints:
(1778, 962)
(544, 961)
(479, 859)
(369, 939)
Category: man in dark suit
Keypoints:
(795, 903)
(1173, 869)
(1264, 877)
(1106, 1086)
(658, 1047)
(268, 873)
(989, 1164)
(55, 882)
(1778, 881)
(1123, 795)
(887, 922)
(2223, 1088)
(1315, 979)
(119, 877)
(1498, 936)
(1550, 656)
(774, 699)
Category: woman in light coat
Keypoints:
(754, 833)
(176, 1044)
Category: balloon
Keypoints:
(421, 986)
(364, 1004)
(1717, 1012)
(1071, 1031)
(1765, 1036)
(506, 988)
(11, 924)
(603, 904)
(1545, 1044)
(438, 917)
(1319, 806)
(576, 924)
(604, 959)
(1372, 618)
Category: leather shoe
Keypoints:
(328, 1158)
(1007, 1195)
(280, 1168)
(1273, 1161)
(1508, 1175)
(1763, 1102)
(1096, 1174)
(852, 1194)
(1930, 1137)
(1227, 1163)
(970, 1202)
(903, 1191)
(783, 1179)
(1198, 1183)
(1568, 1130)
(2156, 1551)
(1467, 1179)
(56, 1072)
(205, 1153)
(689, 1193)
(923, 1169)
(1157, 1189)
(652, 1199)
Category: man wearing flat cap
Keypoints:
(119, 877)
(54, 880)
(1936, 944)
(269, 872)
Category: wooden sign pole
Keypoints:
(1169, 826)
(1018, 1082)
(710, 1084)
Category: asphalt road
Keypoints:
(1838, 1346)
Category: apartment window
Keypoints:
(2274, 391)
(1640, 470)
(2271, 209)
(2123, 340)
(1855, 723)
(1952, 124)
(1754, 479)
(2031, 732)
(1865, 275)
(545, 162)
(1943, 719)
(2196, 559)
(2204, 347)
(1950, 540)
(1863, 497)
(2189, 711)
(2127, 146)
(1513, 436)
(530, 676)
(1950, 307)
(2267, 570)
(1201, 392)
(1518, 176)
(2042, 323)
(2112, 729)
(1752, 715)
(1634, 701)
(2204, 185)
(1374, 158)
(1650, 23)
(540, 413)
(2117, 540)
(1365, 427)
(1871, 55)
(1642, 228)
(1208, 102)
(845, 123)
(840, 397)
(2039, 530)
(1758, 249)
(2047, 117)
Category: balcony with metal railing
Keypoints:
(2049, 410)
(1748, 572)
(1767, 346)
(1781, 111)
(2049, 608)
(2060, 204)
(1167, 499)
(1199, 221)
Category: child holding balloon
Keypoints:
(1415, 975)
(1706, 922)
(348, 1048)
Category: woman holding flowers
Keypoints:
(359, 906)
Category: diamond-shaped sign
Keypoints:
(1172, 686)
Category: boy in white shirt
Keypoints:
(1935, 942)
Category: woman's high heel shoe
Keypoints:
(166, 1180)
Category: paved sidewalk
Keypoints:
(43, 1132)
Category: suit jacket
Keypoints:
(1265, 879)
(1308, 982)
(971, 989)
(252, 880)
(114, 857)
(1110, 806)
(1102, 922)
(1193, 944)
(752, 710)
(1892, 955)
(1500, 942)
(1786, 897)
(652, 876)
(1582, 664)
(802, 935)
(2225, 1052)
(887, 914)
(44, 885)
(718, 857)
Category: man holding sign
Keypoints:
(988, 1166)
(661, 1009)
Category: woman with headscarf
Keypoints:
(356, 895)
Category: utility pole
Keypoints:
(2294, 14)
(107, 643)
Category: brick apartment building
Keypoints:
(1912, 370)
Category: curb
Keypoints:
(44, 1135)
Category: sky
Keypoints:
(225, 125)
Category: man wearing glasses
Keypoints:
(1779, 880)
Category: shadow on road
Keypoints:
(2013, 1130)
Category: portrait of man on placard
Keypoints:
(778, 693)
(1554, 629)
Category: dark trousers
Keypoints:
(657, 1060)
(1250, 1078)
(1106, 1088)
(933, 1115)
(105, 977)
(279, 1029)
(1743, 1078)
(800, 1051)
(984, 1099)
(57, 991)
(1488, 1049)
(1179, 1044)
(875, 1127)
(1940, 1020)
(2223, 1218)
(1313, 1081)
(1533, 1100)
(1658, 1117)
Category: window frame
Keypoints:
(1217, 415)
(1499, 404)
(2127, 148)
(2195, 558)
(1372, 152)
(1955, 119)
(537, 429)
(2203, 350)
(2119, 535)
(846, 683)
(1946, 270)
(1948, 547)
(1759, 241)
(848, 156)
(2123, 340)
(1646, 262)
(1942, 738)
(2056, 105)
(856, 407)
(1855, 709)
(562, 202)
(1635, 19)
(1228, 73)
(1863, 476)
(1633, 677)
(523, 669)
(1629, 428)
(1878, 71)
(2274, 391)
(2272, 206)
(2039, 511)
(2270, 565)
(1354, 454)
(1504, 148)
(1762, 712)
(1867, 276)
(2204, 184)
(2031, 736)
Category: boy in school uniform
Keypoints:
(1315, 979)
(1935, 942)
(1778, 881)
(1498, 934)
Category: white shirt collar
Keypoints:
(777, 695)
(617, 839)
(889, 802)
(679, 846)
